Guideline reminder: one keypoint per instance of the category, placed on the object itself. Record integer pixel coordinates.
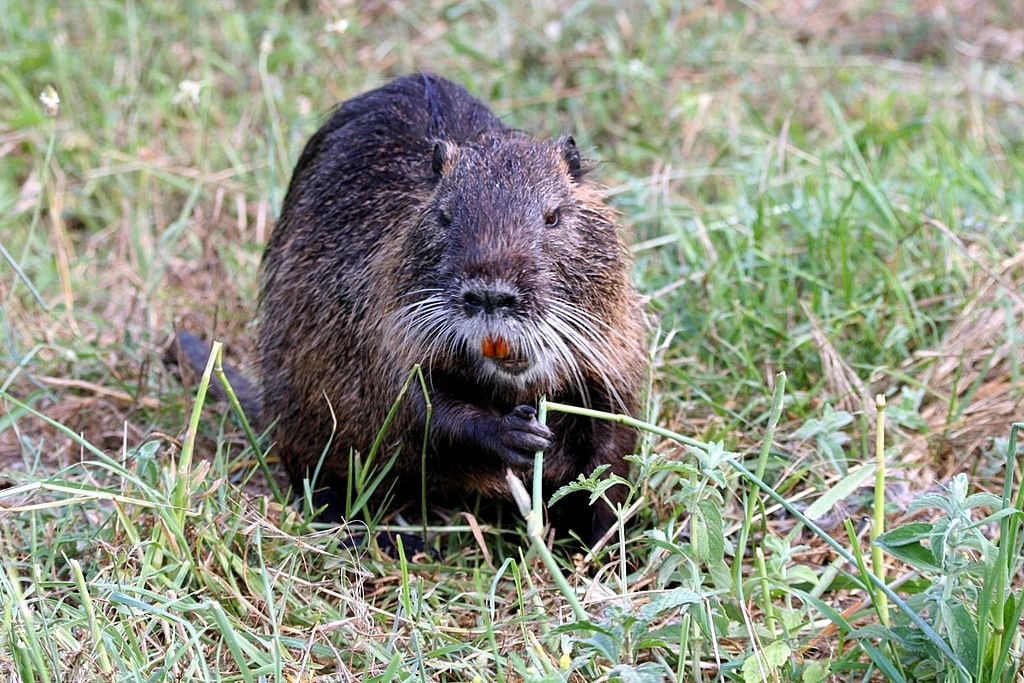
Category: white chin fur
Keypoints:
(541, 371)
(443, 334)
(562, 346)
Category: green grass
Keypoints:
(838, 196)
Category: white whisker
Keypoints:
(565, 347)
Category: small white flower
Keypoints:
(188, 90)
(50, 100)
(339, 26)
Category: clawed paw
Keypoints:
(521, 436)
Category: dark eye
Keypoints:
(552, 217)
(443, 217)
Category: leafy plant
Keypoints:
(827, 432)
(969, 571)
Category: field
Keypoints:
(825, 203)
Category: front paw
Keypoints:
(520, 436)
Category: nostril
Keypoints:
(475, 301)
(472, 302)
(504, 301)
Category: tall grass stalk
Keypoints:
(878, 520)
(243, 419)
(750, 502)
(90, 617)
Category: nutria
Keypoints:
(420, 229)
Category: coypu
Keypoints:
(419, 229)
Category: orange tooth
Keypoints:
(500, 348)
(487, 347)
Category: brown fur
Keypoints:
(411, 203)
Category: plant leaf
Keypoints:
(963, 633)
(706, 534)
(816, 672)
(663, 602)
(883, 662)
(648, 672)
(840, 491)
(903, 535)
(914, 553)
(762, 665)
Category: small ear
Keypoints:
(443, 157)
(567, 146)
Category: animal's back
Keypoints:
(357, 182)
(371, 160)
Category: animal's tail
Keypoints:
(190, 354)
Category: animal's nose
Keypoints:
(488, 300)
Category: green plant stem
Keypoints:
(766, 595)
(993, 641)
(878, 523)
(90, 617)
(872, 590)
(428, 412)
(183, 474)
(530, 508)
(250, 435)
(231, 639)
(762, 464)
(32, 644)
(538, 472)
(7, 256)
(37, 210)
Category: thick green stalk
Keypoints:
(533, 512)
(878, 523)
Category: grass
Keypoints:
(837, 195)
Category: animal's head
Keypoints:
(517, 267)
